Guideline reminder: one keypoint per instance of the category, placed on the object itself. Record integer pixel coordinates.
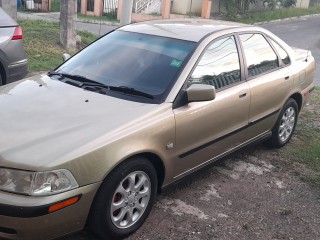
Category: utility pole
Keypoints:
(10, 7)
(126, 12)
(68, 14)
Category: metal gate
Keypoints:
(34, 5)
(39, 5)
(110, 8)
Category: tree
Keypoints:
(235, 7)
(68, 14)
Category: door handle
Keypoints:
(242, 95)
(287, 77)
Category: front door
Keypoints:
(205, 130)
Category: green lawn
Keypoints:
(262, 16)
(305, 147)
(41, 42)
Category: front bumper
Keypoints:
(23, 217)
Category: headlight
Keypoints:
(36, 183)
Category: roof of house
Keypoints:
(185, 29)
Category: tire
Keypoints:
(118, 197)
(285, 125)
(0, 80)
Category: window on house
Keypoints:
(90, 5)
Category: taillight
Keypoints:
(17, 34)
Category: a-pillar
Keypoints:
(206, 9)
(68, 13)
(166, 8)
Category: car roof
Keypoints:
(6, 20)
(185, 29)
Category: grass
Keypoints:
(55, 7)
(41, 43)
(104, 18)
(268, 15)
(305, 147)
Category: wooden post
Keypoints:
(84, 4)
(166, 8)
(206, 9)
(98, 8)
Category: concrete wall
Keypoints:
(10, 6)
(218, 6)
(186, 6)
(303, 3)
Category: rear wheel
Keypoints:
(124, 200)
(285, 125)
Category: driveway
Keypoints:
(252, 195)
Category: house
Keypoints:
(164, 8)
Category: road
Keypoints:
(302, 33)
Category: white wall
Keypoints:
(185, 6)
(303, 3)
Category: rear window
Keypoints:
(6, 20)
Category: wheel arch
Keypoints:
(298, 98)
(3, 74)
(158, 166)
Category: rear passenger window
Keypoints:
(283, 54)
(219, 66)
(259, 55)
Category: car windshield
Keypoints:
(142, 62)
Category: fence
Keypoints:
(110, 8)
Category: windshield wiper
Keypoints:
(131, 91)
(85, 82)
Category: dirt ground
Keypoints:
(252, 195)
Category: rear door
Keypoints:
(205, 130)
(269, 78)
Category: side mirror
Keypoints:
(201, 92)
(65, 57)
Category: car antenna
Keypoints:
(306, 60)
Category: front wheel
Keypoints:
(286, 124)
(124, 200)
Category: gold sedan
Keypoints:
(147, 104)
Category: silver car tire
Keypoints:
(124, 199)
(286, 124)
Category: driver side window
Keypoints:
(219, 66)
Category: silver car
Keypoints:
(13, 59)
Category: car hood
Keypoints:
(43, 119)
